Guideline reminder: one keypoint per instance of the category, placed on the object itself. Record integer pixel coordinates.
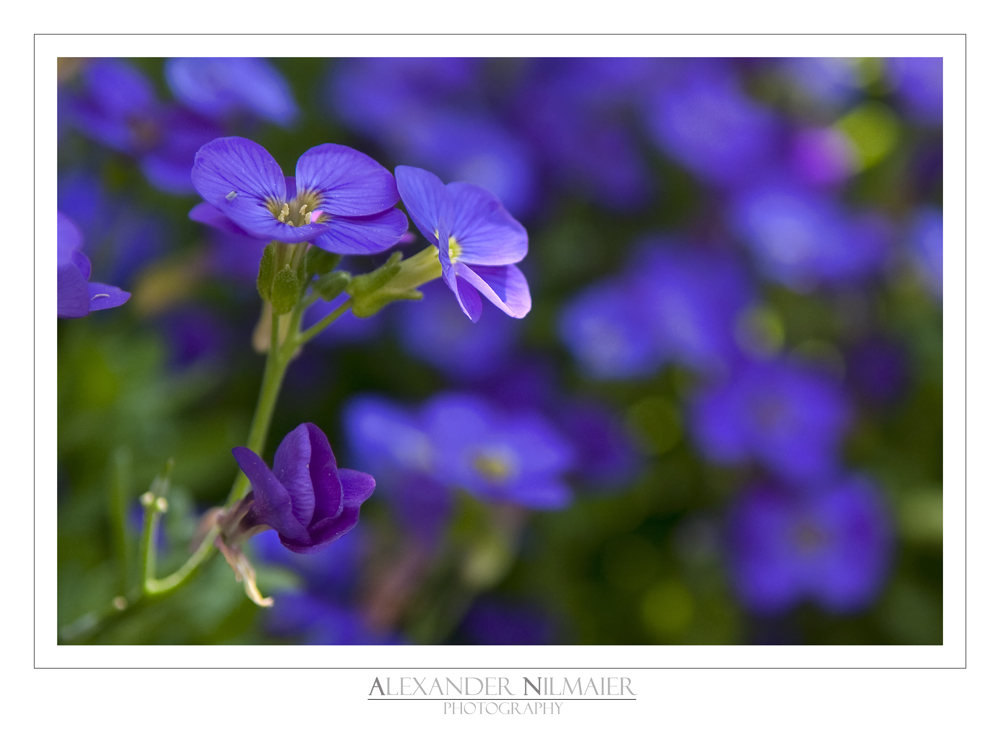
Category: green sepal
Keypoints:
(320, 262)
(265, 274)
(375, 302)
(331, 285)
(362, 285)
(285, 291)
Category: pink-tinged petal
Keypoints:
(205, 213)
(71, 289)
(362, 235)
(291, 468)
(504, 285)
(348, 182)
(326, 531)
(426, 199)
(358, 486)
(485, 231)
(239, 178)
(323, 474)
(271, 503)
(106, 296)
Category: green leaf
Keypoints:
(320, 262)
(332, 284)
(285, 292)
(265, 274)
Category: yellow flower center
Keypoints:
(301, 211)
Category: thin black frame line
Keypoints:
(34, 384)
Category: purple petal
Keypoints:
(363, 235)
(486, 232)
(540, 494)
(323, 473)
(426, 199)
(271, 503)
(291, 468)
(326, 531)
(239, 178)
(205, 213)
(358, 486)
(349, 183)
(468, 299)
(106, 296)
(71, 289)
(82, 262)
(68, 238)
(504, 286)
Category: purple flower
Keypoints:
(306, 499)
(833, 547)
(517, 458)
(691, 299)
(117, 106)
(76, 296)
(494, 622)
(878, 370)
(711, 127)
(478, 240)
(802, 239)
(604, 328)
(786, 416)
(919, 83)
(223, 88)
(340, 200)
(926, 243)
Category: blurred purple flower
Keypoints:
(478, 240)
(926, 243)
(306, 499)
(223, 88)
(707, 124)
(832, 83)
(195, 335)
(349, 328)
(494, 622)
(878, 369)
(822, 156)
(833, 547)
(77, 297)
(441, 335)
(786, 416)
(692, 297)
(604, 328)
(500, 457)
(340, 200)
(802, 239)
(919, 83)
(117, 106)
(606, 456)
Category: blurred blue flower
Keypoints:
(879, 370)
(803, 239)
(607, 457)
(196, 335)
(576, 113)
(306, 498)
(925, 237)
(833, 547)
(691, 299)
(831, 83)
(349, 329)
(224, 88)
(604, 328)
(822, 156)
(786, 416)
(919, 83)
(324, 611)
(478, 240)
(707, 124)
(518, 458)
(116, 105)
(340, 200)
(491, 621)
(438, 333)
(76, 296)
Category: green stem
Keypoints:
(319, 326)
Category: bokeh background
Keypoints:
(732, 369)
